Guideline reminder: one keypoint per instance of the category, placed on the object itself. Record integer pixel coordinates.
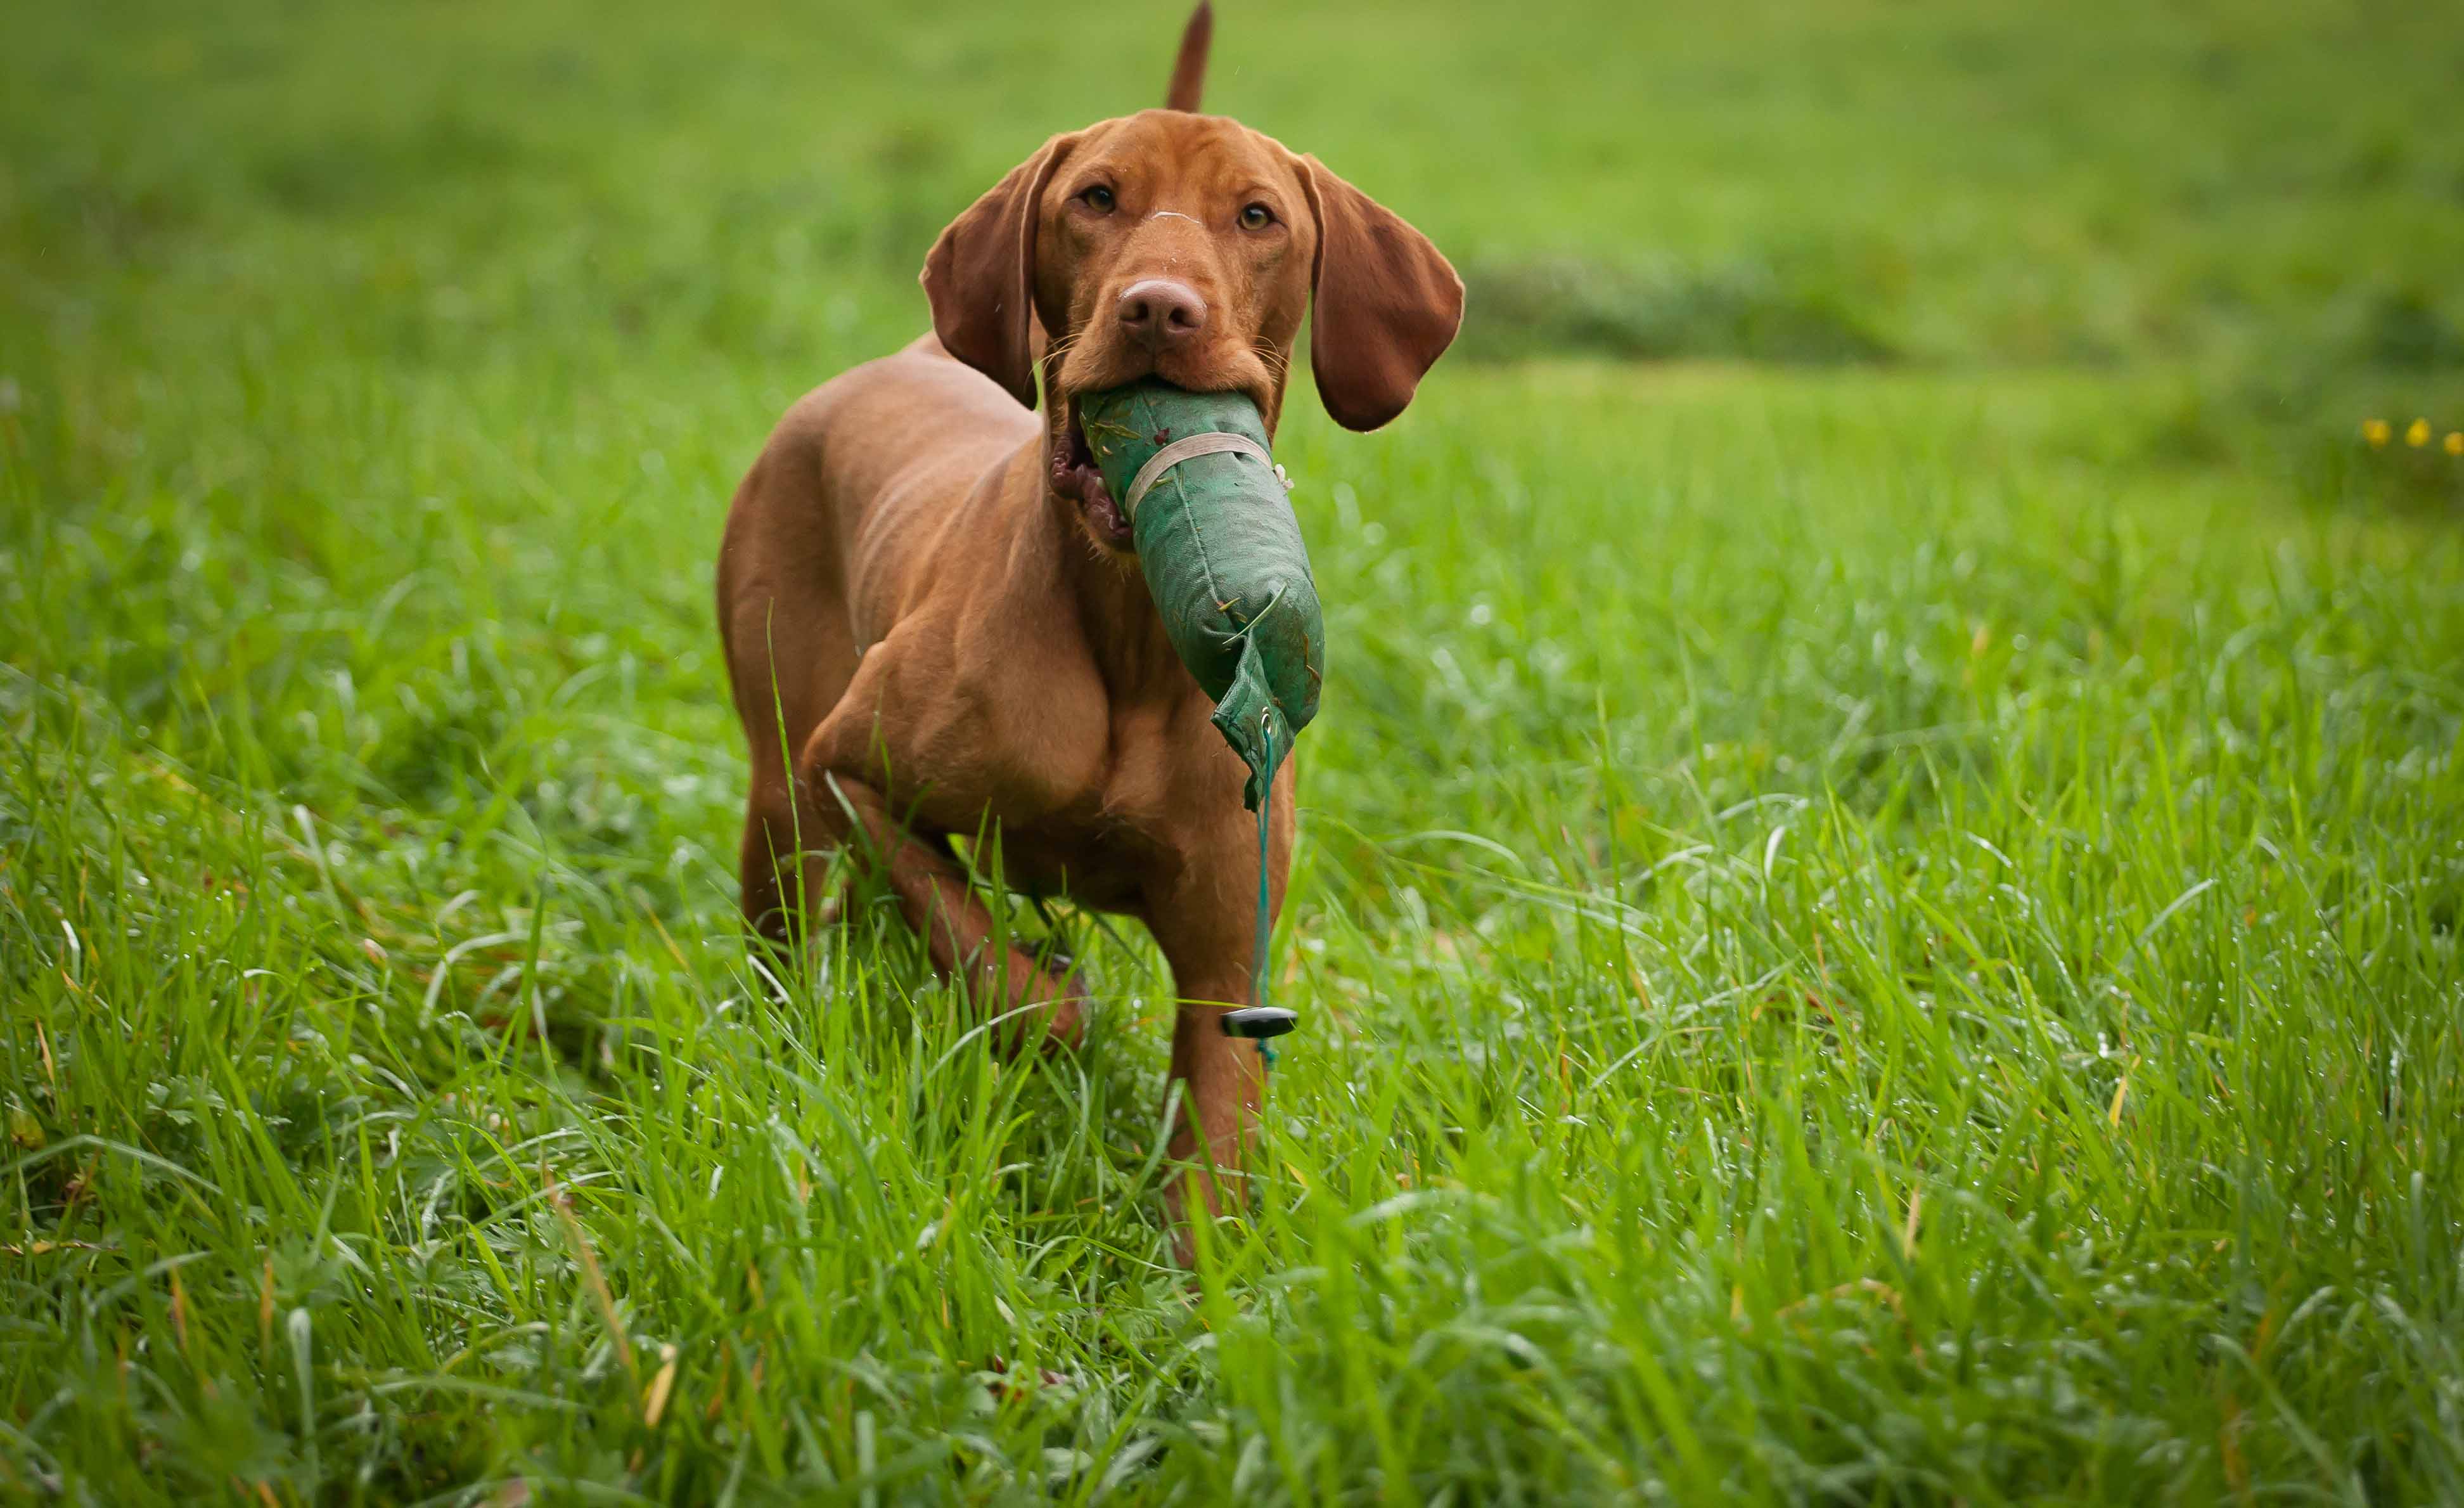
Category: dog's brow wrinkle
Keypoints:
(1175, 213)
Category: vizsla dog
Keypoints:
(932, 607)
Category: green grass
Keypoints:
(1872, 933)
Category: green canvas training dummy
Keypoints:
(1222, 556)
(1225, 563)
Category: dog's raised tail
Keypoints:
(1189, 69)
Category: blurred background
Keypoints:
(479, 311)
(2261, 188)
(1907, 662)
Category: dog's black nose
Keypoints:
(1160, 312)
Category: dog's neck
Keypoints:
(1117, 613)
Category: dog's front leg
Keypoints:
(1206, 925)
(838, 801)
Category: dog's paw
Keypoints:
(1049, 1010)
(1070, 1002)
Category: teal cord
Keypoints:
(1265, 922)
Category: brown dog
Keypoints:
(933, 617)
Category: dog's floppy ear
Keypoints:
(980, 275)
(1386, 304)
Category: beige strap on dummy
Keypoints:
(1171, 455)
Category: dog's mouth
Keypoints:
(1075, 476)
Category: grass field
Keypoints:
(1876, 910)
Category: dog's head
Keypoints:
(1189, 248)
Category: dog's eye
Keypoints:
(1098, 199)
(1257, 217)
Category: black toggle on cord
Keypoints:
(1258, 1021)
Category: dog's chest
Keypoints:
(1167, 786)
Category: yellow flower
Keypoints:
(2375, 431)
(2418, 434)
(2454, 444)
